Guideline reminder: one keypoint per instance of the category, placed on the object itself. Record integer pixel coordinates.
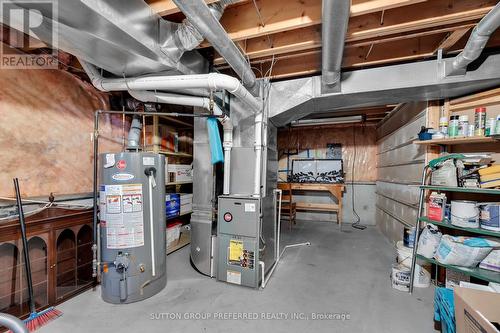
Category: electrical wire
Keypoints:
(355, 224)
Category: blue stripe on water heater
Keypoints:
(214, 140)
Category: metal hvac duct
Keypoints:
(476, 43)
(335, 19)
(123, 37)
(200, 15)
(187, 37)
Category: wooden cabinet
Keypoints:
(60, 247)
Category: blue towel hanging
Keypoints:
(214, 140)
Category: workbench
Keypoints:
(335, 190)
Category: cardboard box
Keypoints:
(187, 208)
(475, 310)
(173, 233)
(172, 205)
(186, 198)
(179, 173)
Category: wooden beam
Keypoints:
(299, 64)
(435, 15)
(242, 22)
(452, 39)
(310, 38)
(167, 7)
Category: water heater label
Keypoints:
(148, 160)
(122, 176)
(124, 216)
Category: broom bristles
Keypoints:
(38, 319)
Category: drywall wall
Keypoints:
(311, 142)
(45, 132)
(400, 164)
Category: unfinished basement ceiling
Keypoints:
(282, 38)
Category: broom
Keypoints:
(35, 319)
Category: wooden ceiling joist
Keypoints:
(309, 63)
(242, 22)
(452, 39)
(437, 15)
(287, 45)
(167, 7)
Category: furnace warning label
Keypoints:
(235, 251)
(124, 220)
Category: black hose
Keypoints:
(356, 224)
(25, 246)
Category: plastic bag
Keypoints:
(428, 241)
(463, 251)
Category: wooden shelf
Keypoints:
(171, 153)
(178, 183)
(177, 121)
(183, 214)
(457, 141)
(184, 240)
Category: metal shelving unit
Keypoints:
(477, 272)
(446, 224)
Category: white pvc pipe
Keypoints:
(227, 125)
(258, 154)
(177, 99)
(211, 81)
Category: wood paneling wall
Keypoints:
(46, 124)
(315, 139)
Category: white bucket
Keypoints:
(464, 213)
(405, 255)
(400, 277)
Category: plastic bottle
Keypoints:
(479, 121)
(463, 125)
(490, 127)
(443, 125)
(453, 127)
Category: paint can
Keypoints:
(464, 213)
(409, 237)
(489, 215)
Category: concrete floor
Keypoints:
(340, 273)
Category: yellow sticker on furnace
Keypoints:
(235, 250)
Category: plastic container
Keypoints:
(471, 130)
(497, 125)
(463, 125)
(479, 121)
(489, 215)
(453, 126)
(443, 125)
(409, 237)
(490, 126)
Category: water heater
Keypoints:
(132, 226)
